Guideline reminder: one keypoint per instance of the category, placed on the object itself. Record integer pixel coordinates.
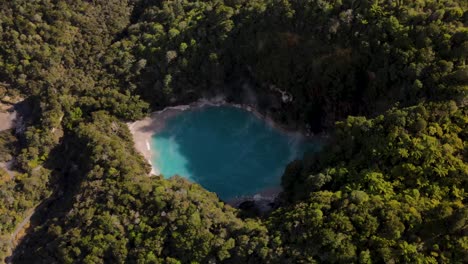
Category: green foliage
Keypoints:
(389, 185)
(325, 54)
(141, 217)
(383, 189)
(49, 53)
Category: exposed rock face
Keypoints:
(285, 96)
(7, 116)
(12, 115)
(258, 204)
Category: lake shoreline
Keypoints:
(143, 129)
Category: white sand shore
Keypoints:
(143, 130)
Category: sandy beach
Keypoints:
(142, 131)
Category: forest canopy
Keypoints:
(385, 81)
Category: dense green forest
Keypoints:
(386, 81)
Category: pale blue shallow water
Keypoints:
(225, 149)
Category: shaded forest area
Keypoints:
(386, 80)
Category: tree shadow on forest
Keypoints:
(260, 41)
(65, 179)
(328, 82)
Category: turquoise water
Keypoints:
(225, 149)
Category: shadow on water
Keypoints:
(227, 150)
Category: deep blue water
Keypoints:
(227, 150)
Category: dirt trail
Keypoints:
(20, 227)
(20, 230)
(14, 238)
